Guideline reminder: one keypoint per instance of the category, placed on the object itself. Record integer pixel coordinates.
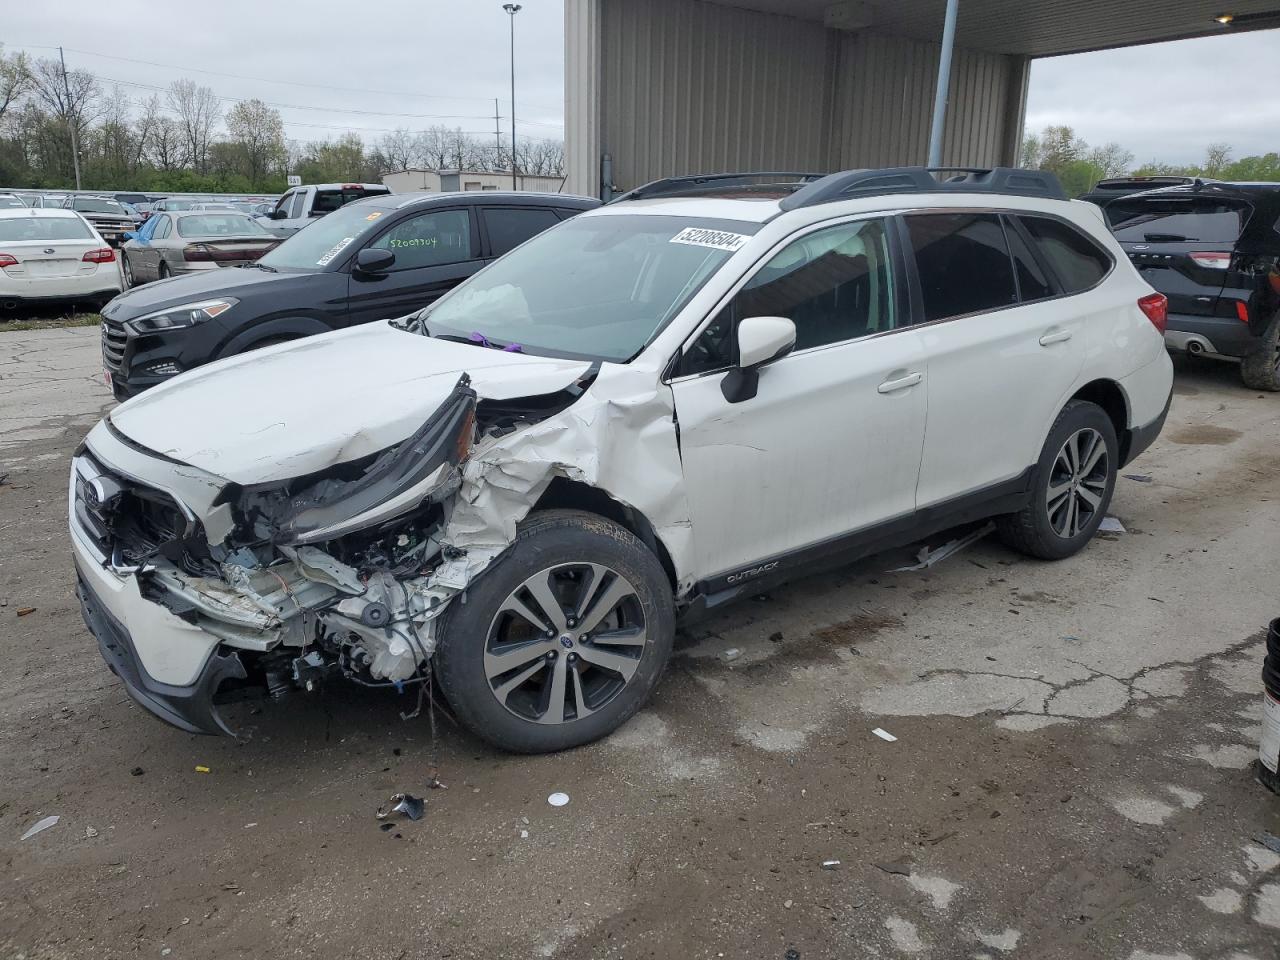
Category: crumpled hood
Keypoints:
(296, 408)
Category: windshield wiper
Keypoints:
(261, 266)
(1167, 238)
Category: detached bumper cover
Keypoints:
(190, 708)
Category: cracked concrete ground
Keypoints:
(1070, 776)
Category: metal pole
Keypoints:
(944, 85)
(512, 9)
(497, 133)
(75, 141)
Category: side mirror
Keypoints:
(374, 260)
(280, 213)
(761, 340)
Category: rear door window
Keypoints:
(963, 263)
(1176, 220)
(1078, 262)
(510, 227)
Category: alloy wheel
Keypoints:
(1077, 482)
(128, 271)
(565, 642)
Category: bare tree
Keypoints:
(71, 102)
(1216, 158)
(399, 149)
(197, 110)
(167, 144)
(15, 79)
(1111, 158)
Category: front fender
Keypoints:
(291, 327)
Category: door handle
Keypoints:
(902, 383)
(1062, 336)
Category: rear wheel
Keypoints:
(128, 270)
(1261, 369)
(164, 270)
(562, 639)
(1074, 480)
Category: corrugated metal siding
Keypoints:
(884, 103)
(582, 96)
(693, 87)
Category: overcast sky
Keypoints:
(1167, 101)
(415, 63)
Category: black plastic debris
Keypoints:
(1138, 477)
(1268, 840)
(1268, 765)
(136, 772)
(406, 804)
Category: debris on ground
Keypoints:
(884, 735)
(558, 799)
(1268, 840)
(830, 864)
(927, 558)
(136, 772)
(26, 611)
(90, 833)
(1111, 525)
(733, 653)
(435, 783)
(1139, 477)
(40, 826)
(405, 803)
(775, 637)
(791, 954)
(201, 768)
(897, 868)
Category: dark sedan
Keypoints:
(385, 256)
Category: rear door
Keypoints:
(1002, 346)
(435, 250)
(1182, 245)
(505, 228)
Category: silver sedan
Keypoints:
(176, 242)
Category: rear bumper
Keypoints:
(188, 707)
(1144, 436)
(99, 285)
(1220, 336)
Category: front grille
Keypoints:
(114, 341)
(126, 521)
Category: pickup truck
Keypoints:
(111, 218)
(302, 205)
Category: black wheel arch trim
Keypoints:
(268, 329)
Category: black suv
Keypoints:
(381, 257)
(1214, 250)
(1105, 191)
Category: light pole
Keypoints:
(512, 9)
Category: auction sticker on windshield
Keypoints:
(715, 239)
(337, 249)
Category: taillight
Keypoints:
(1214, 261)
(1242, 311)
(101, 255)
(197, 252)
(7, 260)
(1156, 307)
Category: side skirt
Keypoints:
(1007, 497)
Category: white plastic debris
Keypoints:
(90, 833)
(558, 799)
(885, 735)
(733, 653)
(830, 864)
(1111, 525)
(40, 826)
(524, 834)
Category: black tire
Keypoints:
(554, 540)
(163, 271)
(127, 269)
(1032, 529)
(1260, 370)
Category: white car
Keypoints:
(703, 388)
(54, 255)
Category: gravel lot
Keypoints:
(1070, 777)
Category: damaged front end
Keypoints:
(324, 574)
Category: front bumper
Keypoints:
(137, 363)
(189, 707)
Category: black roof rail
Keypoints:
(867, 183)
(676, 186)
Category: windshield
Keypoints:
(319, 244)
(593, 287)
(91, 205)
(221, 225)
(1176, 220)
(44, 228)
(178, 204)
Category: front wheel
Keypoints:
(127, 267)
(562, 639)
(1074, 480)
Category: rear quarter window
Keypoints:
(1075, 258)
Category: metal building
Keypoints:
(657, 88)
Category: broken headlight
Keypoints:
(183, 315)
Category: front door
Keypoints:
(435, 251)
(831, 442)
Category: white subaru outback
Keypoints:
(709, 385)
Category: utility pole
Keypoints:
(512, 9)
(497, 133)
(71, 120)
(943, 91)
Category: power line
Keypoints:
(292, 83)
